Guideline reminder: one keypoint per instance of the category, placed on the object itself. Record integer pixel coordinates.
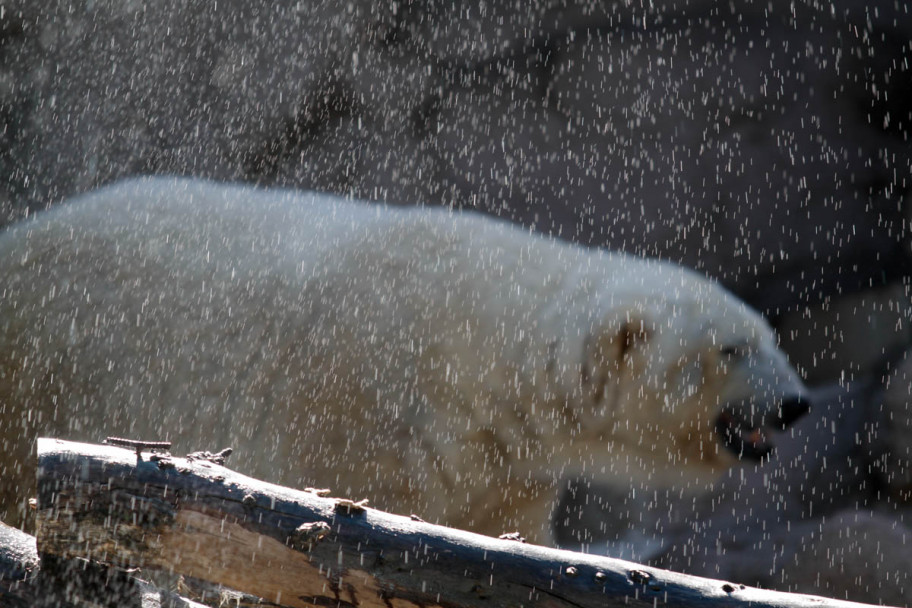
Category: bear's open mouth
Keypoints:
(741, 438)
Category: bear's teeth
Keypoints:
(744, 441)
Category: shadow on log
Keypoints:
(193, 517)
(27, 582)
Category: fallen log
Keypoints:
(191, 516)
(27, 582)
(19, 567)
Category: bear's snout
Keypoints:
(741, 438)
(748, 440)
(789, 410)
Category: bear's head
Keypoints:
(679, 374)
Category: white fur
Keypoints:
(440, 363)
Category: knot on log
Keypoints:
(213, 457)
(350, 507)
(307, 535)
(319, 491)
(641, 577)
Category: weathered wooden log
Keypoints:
(27, 582)
(298, 548)
(19, 567)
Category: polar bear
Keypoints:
(437, 362)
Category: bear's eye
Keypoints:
(735, 351)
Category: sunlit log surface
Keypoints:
(18, 567)
(298, 548)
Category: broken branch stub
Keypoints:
(296, 548)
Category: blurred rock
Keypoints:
(502, 154)
(18, 76)
(126, 88)
(896, 401)
(470, 34)
(354, 156)
(635, 522)
(632, 14)
(467, 32)
(389, 77)
(854, 555)
(741, 150)
(848, 337)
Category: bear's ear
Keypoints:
(608, 352)
(633, 332)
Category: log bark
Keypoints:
(19, 567)
(298, 548)
(27, 582)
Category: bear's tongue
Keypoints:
(741, 439)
